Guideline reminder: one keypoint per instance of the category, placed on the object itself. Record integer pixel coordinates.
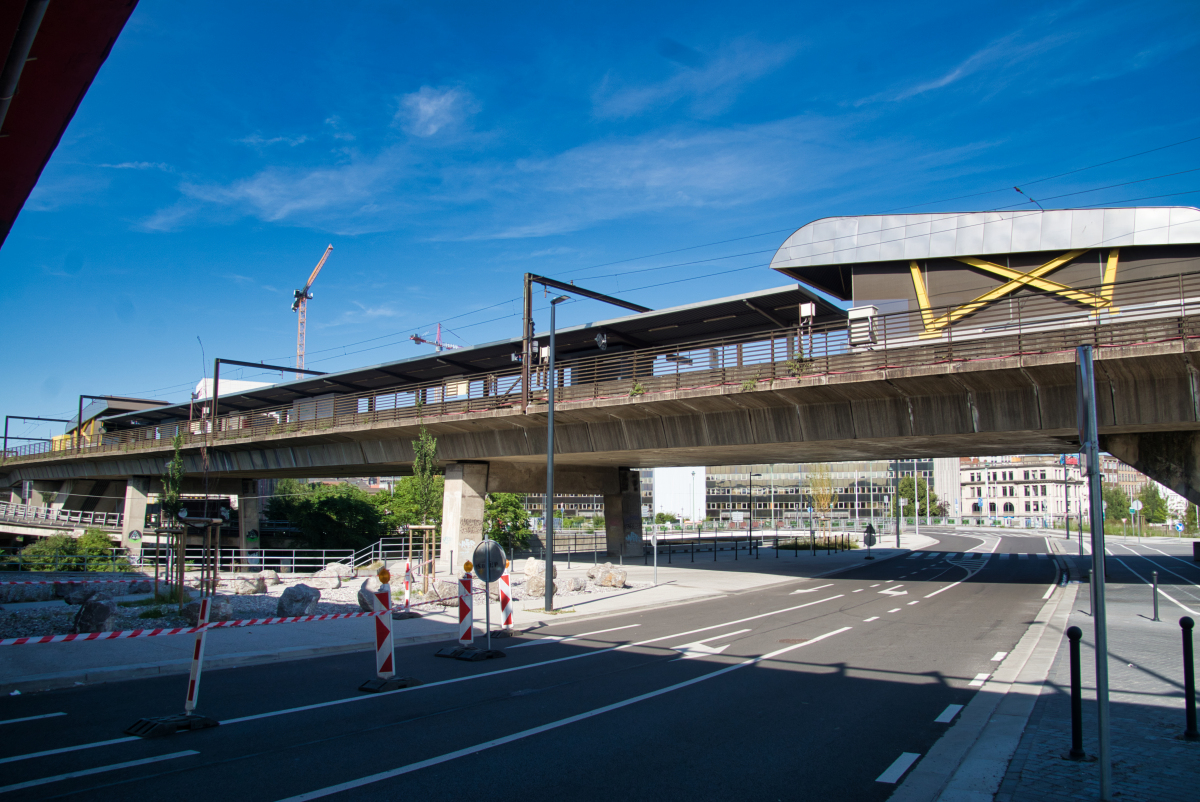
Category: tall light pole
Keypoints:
(551, 380)
(693, 504)
(750, 536)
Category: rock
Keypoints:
(340, 570)
(531, 567)
(269, 576)
(574, 584)
(219, 609)
(442, 592)
(327, 582)
(598, 571)
(298, 600)
(366, 597)
(249, 584)
(614, 579)
(535, 587)
(141, 587)
(79, 594)
(95, 615)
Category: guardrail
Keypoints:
(1149, 311)
(50, 516)
(285, 561)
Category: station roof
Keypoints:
(72, 40)
(110, 407)
(748, 313)
(821, 252)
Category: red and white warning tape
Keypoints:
(82, 581)
(149, 633)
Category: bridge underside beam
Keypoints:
(1170, 458)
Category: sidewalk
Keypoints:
(1146, 708)
(55, 665)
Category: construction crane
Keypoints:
(300, 304)
(436, 342)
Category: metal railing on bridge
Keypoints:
(55, 516)
(1139, 312)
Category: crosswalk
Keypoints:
(955, 555)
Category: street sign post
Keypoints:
(489, 560)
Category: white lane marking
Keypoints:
(948, 714)
(565, 638)
(872, 618)
(877, 584)
(811, 590)
(1022, 556)
(85, 772)
(1049, 548)
(896, 770)
(1178, 604)
(334, 702)
(998, 656)
(517, 736)
(979, 680)
(895, 591)
(1049, 590)
(860, 590)
(32, 718)
(690, 651)
(911, 603)
(936, 592)
(1156, 565)
(1172, 556)
(64, 749)
(895, 610)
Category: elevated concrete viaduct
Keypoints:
(774, 376)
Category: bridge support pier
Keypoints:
(623, 515)
(1171, 458)
(462, 508)
(249, 511)
(137, 492)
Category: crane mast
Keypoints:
(300, 306)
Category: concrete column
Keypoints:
(1170, 458)
(462, 507)
(137, 492)
(249, 510)
(623, 515)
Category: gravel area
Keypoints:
(57, 618)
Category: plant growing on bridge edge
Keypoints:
(749, 384)
(797, 365)
(637, 389)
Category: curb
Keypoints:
(967, 764)
(69, 679)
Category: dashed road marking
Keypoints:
(85, 772)
(872, 618)
(979, 680)
(948, 714)
(998, 656)
(911, 603)
(32, 718)
(896, 770)
(895, 610)
(811, 590)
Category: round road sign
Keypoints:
(489, 561)
(1137, 505)
(869, 539)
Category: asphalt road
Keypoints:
(805, 690)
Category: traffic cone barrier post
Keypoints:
(385, 649)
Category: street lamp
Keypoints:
(550, 382)
(750, 536)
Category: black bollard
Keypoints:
(1189, 680)
(1076, 753)
(693, 551)
(1154, 590)
(777, 545)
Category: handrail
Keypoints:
(10, 511)
(1146, 310)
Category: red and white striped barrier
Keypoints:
(506, 605)
(384, 650)
(408, 579)
(466, 604)
(148, 633)
(193, 690)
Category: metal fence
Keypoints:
(11, 559)
(285, 561)
(1146, 311)
(28, 513)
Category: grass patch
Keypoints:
(805, 543)
(153, 612)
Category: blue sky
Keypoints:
(446, 149)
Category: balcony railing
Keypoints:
(1147, 311)
(53, 516)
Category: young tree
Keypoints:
(425, 472)
(170, 502)
(821, 492)
(1154, 506)
(506, 521)
(915, 492)
(665, 518)
(1189, 519)
(1117, 502)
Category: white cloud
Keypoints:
(710, 83)
(257, 140)
(166, 168)
(429, 110)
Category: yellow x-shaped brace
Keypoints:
(1016, 280)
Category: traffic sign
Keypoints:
(869, 539)
(1136, 505)
(1178, 526)
(489, 561)
(903, 501)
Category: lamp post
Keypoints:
(550, 382)
(750, 536)
(693, 504)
